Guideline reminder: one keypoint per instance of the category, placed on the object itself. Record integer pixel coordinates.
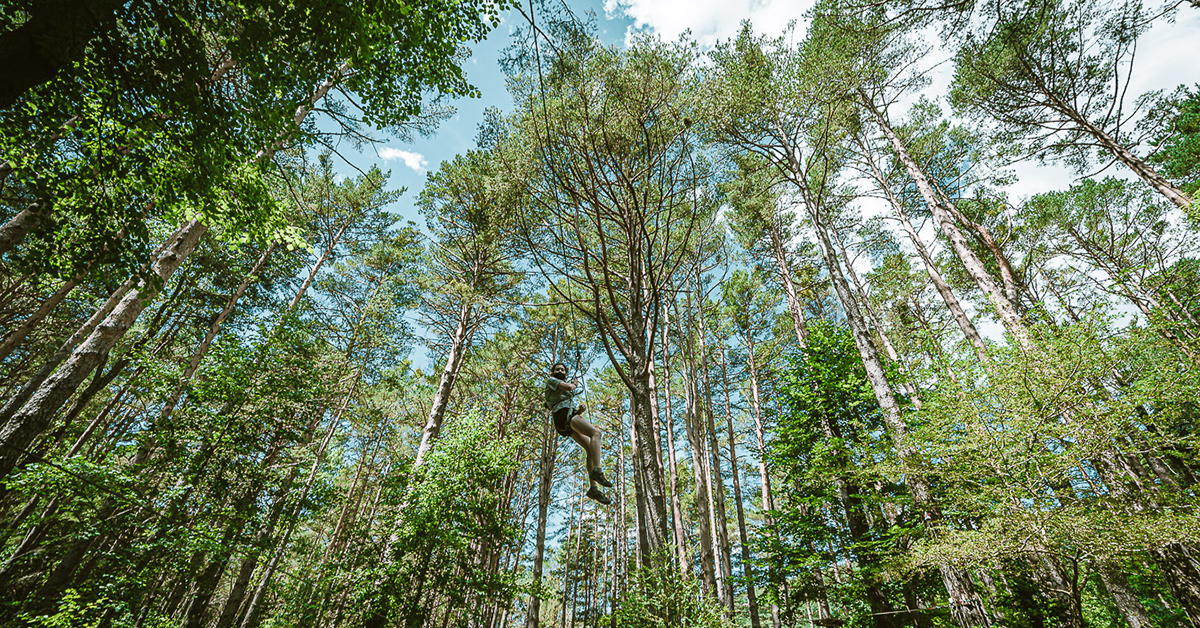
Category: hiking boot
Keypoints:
(598, 477)
(595, 494)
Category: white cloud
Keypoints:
(709, 20)
(416, 161)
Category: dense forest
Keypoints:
(844, 374)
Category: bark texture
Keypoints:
(35, 416)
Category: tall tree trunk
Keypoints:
(1139, 167)
(1178, 564)
(237, 591)
(254, 610)
(639, 495)
(546, 476)
(694, 423)
(747, 568)
(966, 604)
(316, 267)
(33, 419)
(764, 475)
(676, 507)
(1008, 276)
(459, 343)
(935, 276)
(242, 509)
(621, 570)
(653, 537)
(1005, 310)
(65, 350)
(717, 486)
(888, 347)
(859, 531)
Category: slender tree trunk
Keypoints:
(1008, 276)
(64, 351)
(939, 283)
(717, 486)
(1179, 566)
(621, 570)
(764, 475)
(441, 398)
(1139, 167)
(639, 496)
(859, 531)
(676, 507)
(653, 536)
(316, 267)
(237, 592)
(15, 337)
(1004, 308)
(888, 347)
(747, 568)
(795, 308)
(965, 602)
(33, 419)
(700, 475)
(546, 476)
(568, 554)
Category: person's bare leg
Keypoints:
(586, 443)
(588, 436)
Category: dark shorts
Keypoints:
(562, 421)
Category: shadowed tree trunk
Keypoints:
(54, 36)
(32, 419)
(546, 476)
(747, 568)
(717, 486)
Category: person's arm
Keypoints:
(561, 385)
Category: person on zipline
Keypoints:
(560, 398)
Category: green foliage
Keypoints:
(168, 115)
(831, 448)
(659, 598)
(71, 614)
(1178, 143)
(1013, 71)
(449, 519)
(1029, 451)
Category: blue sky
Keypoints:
(410, 162)
(1158, 66)
(1164, 61)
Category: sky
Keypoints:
(1166, 58)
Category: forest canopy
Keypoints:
(839, 369)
